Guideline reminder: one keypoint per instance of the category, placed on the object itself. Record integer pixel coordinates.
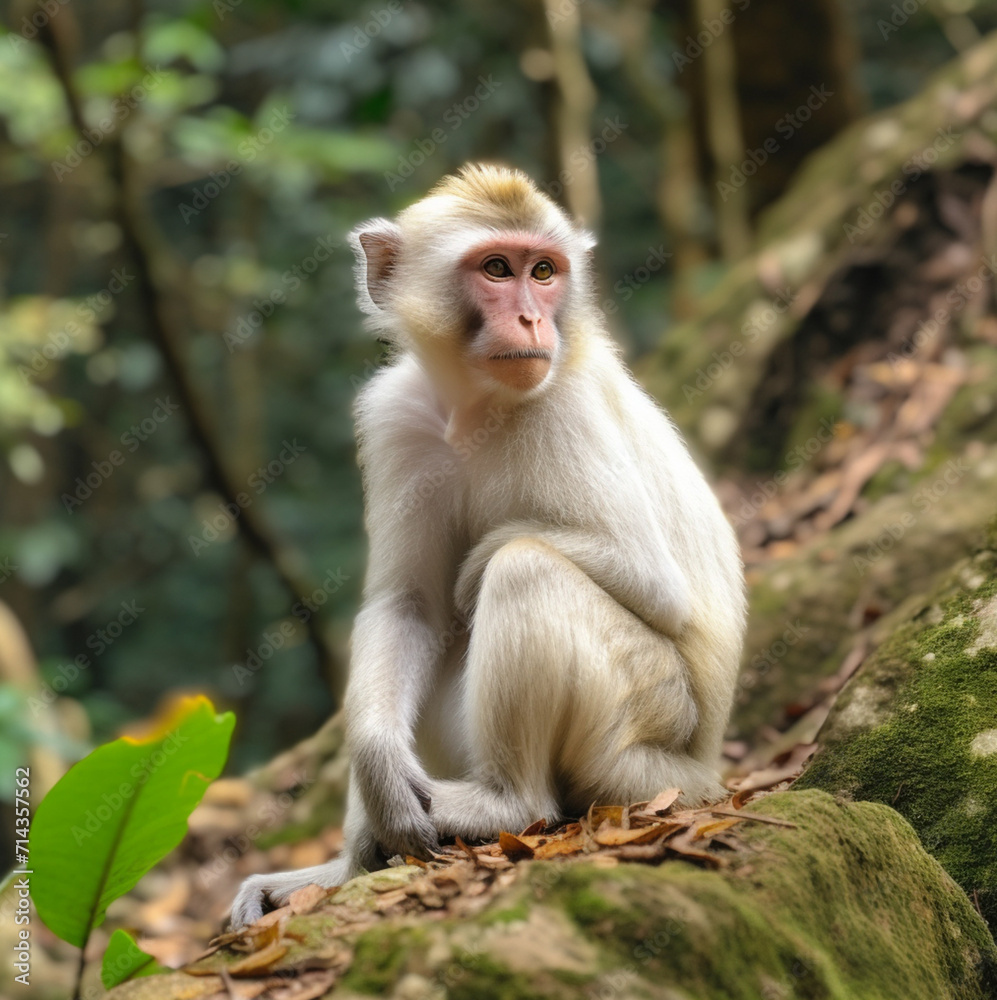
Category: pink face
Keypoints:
(516, 283)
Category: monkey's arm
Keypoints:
(632, 564)
(395, 652)
(398, 635)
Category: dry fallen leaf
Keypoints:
(572, 841)
(535, 828)
(267, 930)
(707, 830)
(514, 848)
(754, 817)
(682, 844)
(306, 986)
(240, 991)
(390, 899)
(609, 836)
(659, 805)
(597, 815)
(259, 961)
(788, 767)
(305, 900)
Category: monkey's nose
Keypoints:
(532, 323)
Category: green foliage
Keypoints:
(124, 959)
(118, 812)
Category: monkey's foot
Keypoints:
(261, 893)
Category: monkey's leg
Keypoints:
(260, 893)
(569, 698)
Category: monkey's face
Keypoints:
(515, 285)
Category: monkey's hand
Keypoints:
(260, 893)
(394, 788)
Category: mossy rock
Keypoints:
(844, 905)
(708, 368)
(801, 627)
(917, 728)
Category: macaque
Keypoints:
(554, 607)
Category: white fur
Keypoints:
(554, 604)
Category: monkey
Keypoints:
(554, 604)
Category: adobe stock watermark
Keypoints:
(564, 10)
(458, 626)
(585, 155)
(256, 658)
(370, 29)
(291, 280)
(121, 107)
(786, 127)
(35, 22)
(20, 890)
(453, 118)
(754, 326)
(223, 7)
(913, 168)
(370, 369)
(625, 288)
(7, 569)
(619, 982)
(229, 512)
(713, 28)
(273, 641)
(310, 603)
(57, 344)
(788, 988)
(794, 459)
(247, 150)
(264, 818)
(132, 439)
(763, 662)
(98, 642)
(115, 800)
(955, 300)
(472, 441)
(900, 14)
(922, 501)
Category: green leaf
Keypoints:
(118, 812)
(124, 959)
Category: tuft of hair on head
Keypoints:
(506, 188)
(501, 196)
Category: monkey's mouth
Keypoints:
(537, 353)
(522, 369)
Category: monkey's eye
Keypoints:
(543, 270)
(497, 268)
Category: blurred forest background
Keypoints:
(179, 346)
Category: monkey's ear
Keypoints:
(377, 245)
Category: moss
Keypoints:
(972, 413)
(518, 911)
(901, 734)
(485, 979)
(990, 540)
(588, 907)
(846, 906)
(379, 958)
(889, 479)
